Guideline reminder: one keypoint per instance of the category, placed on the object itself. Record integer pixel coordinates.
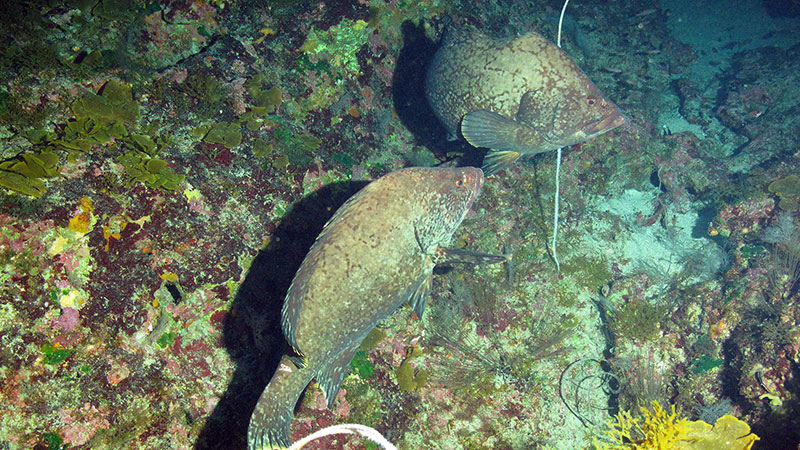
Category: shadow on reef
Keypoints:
(408, 96)
(780, 428)
(252, 332)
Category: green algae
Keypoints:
(637, 320)
(332, 55)
(55, 355)
(361, 365)
(301, 149)
(151, 171)
(338, 46)
(115, 10)
(705, 363)
(749, 251)
(207, 92)
(344, 159)
(370, 400)
(114, 104)
(82, 134)
(261, 149)
(225, 133)
(591, 273)
(409, 377)
(375, 337)
(54, 441)
(166, 339)
(267, 100)
(100, 120)
(788, 190)
(12, 112)
(295, 149)
(24, 173)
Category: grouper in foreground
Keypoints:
(519, 96)
(376, 252)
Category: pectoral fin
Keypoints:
(456, 255)
(498, 133)
(420, 296)
(483, 128)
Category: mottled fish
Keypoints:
(376, 252)
(519, 96)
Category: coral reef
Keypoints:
(165, 166)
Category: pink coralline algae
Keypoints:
(185, 313)
(69, 260)
(82, 424)
(26, 236)
(69, 319)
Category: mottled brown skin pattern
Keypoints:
(371, 257)
(371, 248)
(471, 71)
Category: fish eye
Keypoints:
(460, 182)
(591, 101)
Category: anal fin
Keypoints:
(495, 161)
(330, 378)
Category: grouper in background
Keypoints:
(519, 96)
(376, 252)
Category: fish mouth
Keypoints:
(607, 123)
(479, 179)
(476, 187)
(587, 130)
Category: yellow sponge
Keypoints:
(659, 429)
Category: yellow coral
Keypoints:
(658, 429)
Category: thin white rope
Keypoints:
(346, 428)
(555, 213)
(558, 160)
(560, 21)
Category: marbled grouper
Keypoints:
(378, 251)
(519, 96)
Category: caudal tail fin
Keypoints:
(269, 424)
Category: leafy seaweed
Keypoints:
(114, 104)
(705, 363)
(151, 171)
(225, 133)
(24, 173)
